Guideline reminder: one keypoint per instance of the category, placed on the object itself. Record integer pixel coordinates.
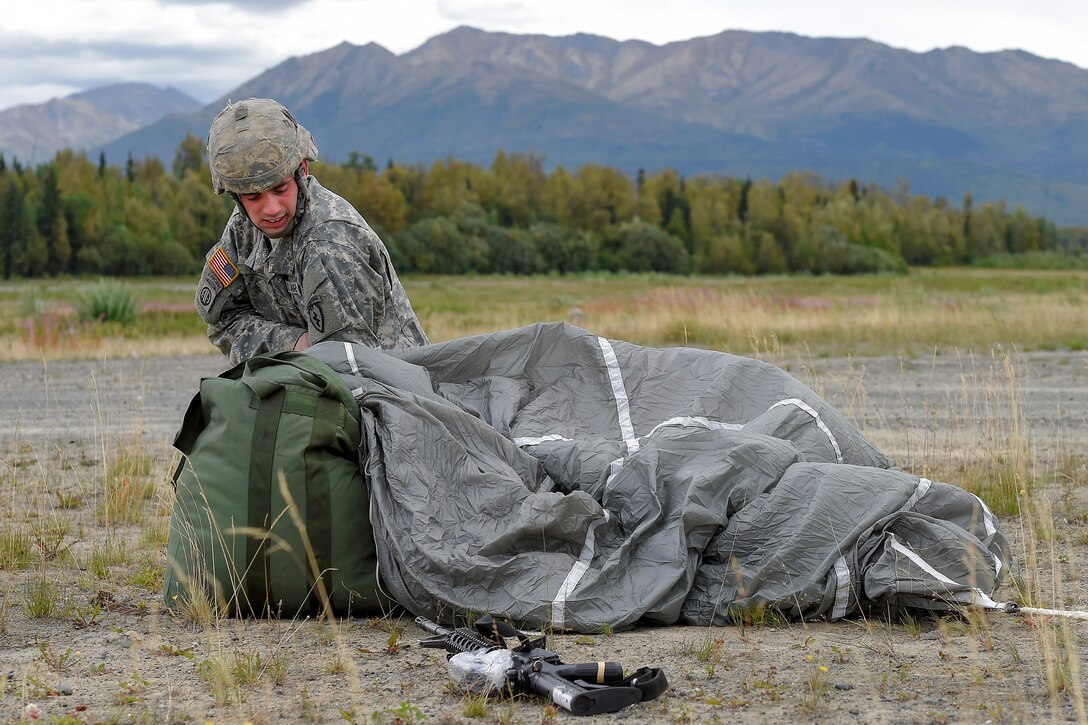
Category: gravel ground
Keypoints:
(131, 662)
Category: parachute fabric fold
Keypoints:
(571, 481)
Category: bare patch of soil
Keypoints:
(108, 652)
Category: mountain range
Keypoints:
(1006, 125)
(33, 133)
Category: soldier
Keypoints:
(296, 264)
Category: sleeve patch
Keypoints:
(316, 314)
(205, 296)
(222, 266)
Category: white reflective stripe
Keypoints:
(559, 604)
(815, 416)
(695, 422)
(972, 596)
(919, 491)
(976, 596)
(614, 469)
(842, 588)
(842, 569)
(987, 517)
(623, 406)
(522, 442)
(922, 563)
(349, 353)
(357, 392)
(924, 484)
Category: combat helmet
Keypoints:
(253, 144)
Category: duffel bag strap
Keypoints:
(262, 450)
(318, 498)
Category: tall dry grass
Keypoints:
(927, 310)
(62, 549)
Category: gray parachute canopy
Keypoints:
(567, 480)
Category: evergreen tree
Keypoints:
(21, 247)
(742, 205)
(35, 255)
(14, 228)
(360, 162)
(52, 224)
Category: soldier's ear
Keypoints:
(305, 167)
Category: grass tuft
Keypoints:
(107, 301)
(41, 598)
(230, 673)
(16, 548)
(197, 608)
(127, 486)
(106, 555)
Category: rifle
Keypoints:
(479, 660)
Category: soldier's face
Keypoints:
(273, 211)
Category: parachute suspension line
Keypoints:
(978, 597)
(1013, 608)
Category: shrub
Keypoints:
(824, 250)
(564, 249)
(107, 301)
(640, 247)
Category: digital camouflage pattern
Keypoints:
(253, 144)
(331, 277)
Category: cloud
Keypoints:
(249, 6)
(508, 14)
(31, 67)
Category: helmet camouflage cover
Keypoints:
(254, 144)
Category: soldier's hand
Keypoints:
(303, 341)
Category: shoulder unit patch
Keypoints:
(222, 266)
(316, 314)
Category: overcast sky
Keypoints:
(51, 48)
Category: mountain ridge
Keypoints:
(999, 125)
(85, 120)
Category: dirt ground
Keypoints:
(108, 652)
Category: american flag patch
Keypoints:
(222, 266)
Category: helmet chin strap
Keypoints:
(302, 174)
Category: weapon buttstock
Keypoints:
(580, 700)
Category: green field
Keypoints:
(925, 312)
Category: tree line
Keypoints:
(74, 216)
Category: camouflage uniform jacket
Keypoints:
(331, 276)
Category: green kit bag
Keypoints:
(270, 492)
